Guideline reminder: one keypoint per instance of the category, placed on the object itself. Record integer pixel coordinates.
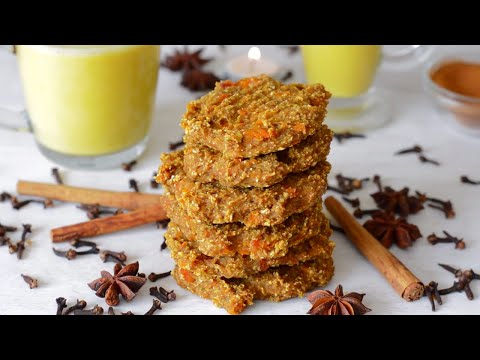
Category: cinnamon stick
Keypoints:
(109, 224)
(115, 199)
(405, 283)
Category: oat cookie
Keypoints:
(205, 165)
(239, 266)
(276, 284)
(258, 243)
(255, 116)
(253, 207)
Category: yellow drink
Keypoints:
(344, 70)
(89, 100)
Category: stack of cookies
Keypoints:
(245, 193)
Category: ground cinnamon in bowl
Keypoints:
(455, 85)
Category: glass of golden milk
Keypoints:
(90, 106)
(348, 72)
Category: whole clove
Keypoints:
(112, 256)
(153, 183)
(463, 283)
(111, 311)
(359, 213)
(56, 176)
(157, 305)
(424, 159)
(164, 244)
(80, 305)
(287, 76)
(5, 196)
(27, 229)
(61, 304)
(378, 181)
(337, 228)
(336, 189)
(132, 184)
(466, 180)
(33, 283)
(5, 228)
(347, 135)
(142, 275)
(154, 277)
(445, 206)
(162, 294)
(353, 202)
(128, 166)
(72, 254)
(97, 310)
(434, 239)
(433, 294)
(17, 205)
(415, 149)
(175, 145)
(163, 224)
(95, 211)
(78, 243)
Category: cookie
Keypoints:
(255, 116)
(258, 243)
(205, 165)
(188, 257)
(276, 284)
(253, 207)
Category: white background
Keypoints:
(413, 122)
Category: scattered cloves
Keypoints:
(33, 283)
(424, 159)
(154, 277)
(414, 149)
(445, 206)
(162, 294)
(97, 310)
(95, 211)
(111, 311)
(175, 145)
(61, 304)
(157, 305)
(80, 305)
(17, 205)
(128, 166)
(56, 176)
(132, 184)
(433, 294)
(347, 135)
(434, 239)
(464, 179)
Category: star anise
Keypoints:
(389, 230)
(124, 281)
(185, 60)
(324, 302)
(198, 80)
(398, 202)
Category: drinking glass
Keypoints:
(88, 106)
(348, 72)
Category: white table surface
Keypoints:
(414, 122)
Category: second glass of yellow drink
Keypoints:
(90, 106)
(348, 72)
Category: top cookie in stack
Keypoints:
(246, 220)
